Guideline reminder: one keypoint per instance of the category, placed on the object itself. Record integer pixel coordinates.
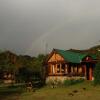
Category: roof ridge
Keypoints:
(70, 51)
(71, 56)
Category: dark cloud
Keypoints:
(26, 26)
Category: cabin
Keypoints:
(65, 64)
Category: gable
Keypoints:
(55, 57)
(88, 59)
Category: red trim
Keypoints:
(90, 73)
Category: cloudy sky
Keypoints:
(37, 26)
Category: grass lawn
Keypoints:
(8, 92)
(82, 91)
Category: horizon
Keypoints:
(46, 53)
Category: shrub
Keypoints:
(97, 74)
(50, 83)
(72, 82)
(54, 83)
(59, 83)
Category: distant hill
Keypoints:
(90, 50)
(93, 50)
(24, 60)
(17, 60)
(96, 48)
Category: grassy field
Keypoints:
(8, 92)
(82, 91)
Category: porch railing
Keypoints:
(71, 74)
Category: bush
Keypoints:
(59, 83)
(97, 74)
(72, 82)
(54, 83)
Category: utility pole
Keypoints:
(46, 48)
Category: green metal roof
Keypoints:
(73, 56)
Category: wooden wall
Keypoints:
(55, 57)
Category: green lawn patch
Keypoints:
(10, 92)
(80, 91)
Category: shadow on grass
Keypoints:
(9, 92)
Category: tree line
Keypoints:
(22, 67)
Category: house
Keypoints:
(7, 60)
(66, 64)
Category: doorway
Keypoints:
(89, 71)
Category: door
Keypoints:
(89, 71)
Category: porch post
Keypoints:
(56, 68)
(66, 68)
(60, 68)
(53, 69)
(72, 69)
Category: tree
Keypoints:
(24, 74)
(97, 74)
(23, 68)
(31, 68)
